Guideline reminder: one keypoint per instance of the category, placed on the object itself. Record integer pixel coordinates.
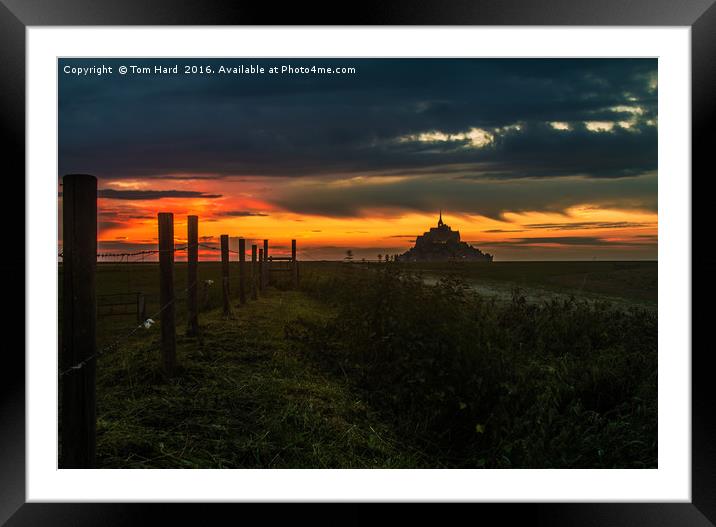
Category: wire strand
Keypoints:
(115, 344)
(136, 253)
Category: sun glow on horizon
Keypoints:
(245, 210)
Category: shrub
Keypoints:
(477, 383)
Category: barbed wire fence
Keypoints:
(123, 255)
(151, 251)
(114, 346)
(79, 255)
(146, 322)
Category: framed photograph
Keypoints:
(423, 255)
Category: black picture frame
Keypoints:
(699, 15)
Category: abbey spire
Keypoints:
(441, 243)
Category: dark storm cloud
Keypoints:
(560, 240)
(586, 225)
(539, 150)
(142, 195)
(240, 213)
(104, 225)
(336, 126)
(568, 240)
(488, 198)
(120, 243)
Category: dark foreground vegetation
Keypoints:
(372, 366)
(474, 383)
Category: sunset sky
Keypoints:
(530, 159)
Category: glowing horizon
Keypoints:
(585, 232)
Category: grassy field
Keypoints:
(393, 366)
(618, 282)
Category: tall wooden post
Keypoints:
(294, 265)
(192, 231)
(79, 319)
(267, 273)
(242, 271)
(225, 272)
(261, 269)
(254, 274)
(166, 291)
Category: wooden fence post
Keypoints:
(166, 291)
(261, 270)
(192, 238)
(225, 272)
(267, 269)
(294, 265)
(79, 319)
(254, 274)
(242, 271)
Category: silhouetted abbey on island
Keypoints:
(442, 244)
